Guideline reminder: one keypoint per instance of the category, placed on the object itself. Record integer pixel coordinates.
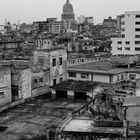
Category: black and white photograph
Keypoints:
(69, 69)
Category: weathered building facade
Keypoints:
(21, 83)
(40, 82)
(5, 86)
(53, 59)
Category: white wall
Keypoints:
(130, 33)
(25, 84)
(101, 78)
(133, 114)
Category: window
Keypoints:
(118, 78)
(127, 42)
(72, 74)
(132, 76)
(1, 79)
(137, 49)
(137, 36)
(54, 62)
(84, 76)
(127, 48)
(41, 61)
(123, 23)
(119, 42)
(119, 48)
(40, 80)
(137, 29)
(1, 95)
(137, 16)
(61, 79)
(82, 60)
(60, 60)
(137, 42)
(122, 77)
(137, 23)
(35, 81)
(123, 35)
(123, 29)
(73, 61)
(45, 42)
(54, 82)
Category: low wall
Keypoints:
(12, 104)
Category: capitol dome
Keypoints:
(68, 8)
(68, 13)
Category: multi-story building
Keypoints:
(40, 81)
(129, 41)
(110, 23)
(89, 20)
(54, 59)
(20, 78)
(51, 25)
(5, 86)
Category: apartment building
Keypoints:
(129, 41)
(54, 59)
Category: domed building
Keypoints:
(68, 14)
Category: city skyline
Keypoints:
(38, 10)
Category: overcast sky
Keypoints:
(34, 10)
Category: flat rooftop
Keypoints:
(76, 85)
(87, 126)
(102, 67)
(36, 116)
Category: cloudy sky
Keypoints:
(34, 10)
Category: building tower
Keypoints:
(68, 14)
(128, 43)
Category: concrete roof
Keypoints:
(83, 86)
(51, 49)
(132, 101)
(102, 67)
(18, 64)
(87, 126)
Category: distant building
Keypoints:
(80, 19)
(110, 23)
(89, 20)
(5, 86)
(51, 25)
(68, 13)
(2, 29)
(129, 42)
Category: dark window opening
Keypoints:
(35, 81)
(54, 62)
(1, 95)
(60, 61)
(72, 74)
(40, 79)
(54, 82)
